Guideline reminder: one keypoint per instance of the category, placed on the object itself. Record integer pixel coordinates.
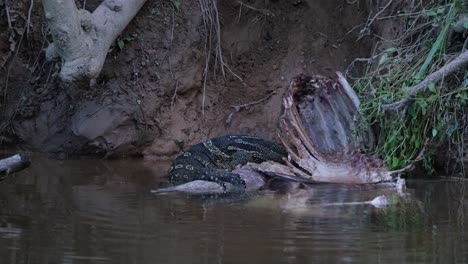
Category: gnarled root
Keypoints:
(82, 39)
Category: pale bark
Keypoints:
(319, 130)
(456, 64)
(13, 164)
(82, 39)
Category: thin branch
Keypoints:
(219, 50)
(172, 29)
(29, 18)
(410, 166)
(174, 96)
(349, 32)
(7, 10)
(238, 108)
(243, 106)
(235, 75)
(351, 65)
(365, 30)
(264, 11)
(207, 47)
(434, 77)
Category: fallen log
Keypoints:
(13, 164)
(320, 130)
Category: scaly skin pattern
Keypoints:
(214, 159)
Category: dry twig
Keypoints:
(7, 10)
(29, 18)
(174, 96)
(205, 10)
(264, 11)
(219, 51)
(212, 27)
(172, 29)
(351, 65)
(365, 31)
(238, 108)
(235, 75)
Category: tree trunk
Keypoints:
(82, 39)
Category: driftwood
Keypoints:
(13, 164)
(319, 128)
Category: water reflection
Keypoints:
(102, 212)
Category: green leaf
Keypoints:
(130, 36)
(465, 25)
(459, 5)
(434, 132)
(385, 55)
(180, 144)
(432, 99)
(451, 128)
(431, 13)
(383, 58)
(395, 162)
(176, 4)
(120, 43)
(437, 44)
(412, 111)
(423, 106)
(417, 143)
(431, 87)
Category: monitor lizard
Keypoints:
(214, 159)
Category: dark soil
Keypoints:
(150, 92)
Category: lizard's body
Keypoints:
(214, 159)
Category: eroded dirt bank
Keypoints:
(150, 93)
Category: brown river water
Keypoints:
(102, 211)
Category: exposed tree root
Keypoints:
(82, 39)
(212, 28)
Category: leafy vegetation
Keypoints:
(121, 41)
(176, 4)
(424, 45)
